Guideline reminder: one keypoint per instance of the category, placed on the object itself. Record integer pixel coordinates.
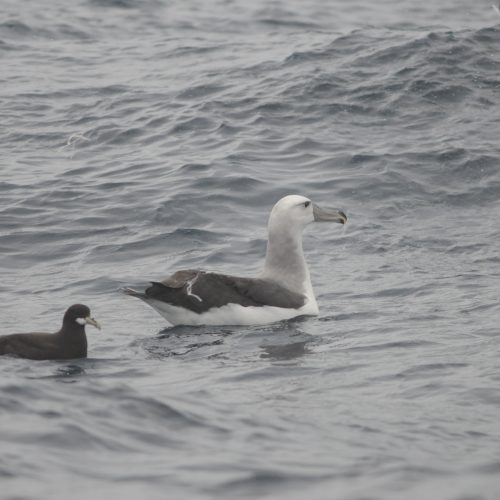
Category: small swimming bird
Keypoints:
(68, 343)
(283, 290)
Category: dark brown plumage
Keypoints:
(68, 343)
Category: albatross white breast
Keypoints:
(283, 289)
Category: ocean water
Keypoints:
(140, 137)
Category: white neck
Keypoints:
(285, 261)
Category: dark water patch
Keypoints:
(74, 172)
(182, 331)
(126, 136)
(307, 56)
(7, 474)
(345, 368)
(70, 371)
(110, 133)
(184, 341)
(5, 46)
(466, 249)
(135, 168)
(117, 89)
(278, 22)
(272, 107)
(403, 344)
(230, 183)
(161, 350)
(53, 138)
(14, 28)
(487, 395)
(452, 93)
(12, 403)
(71, 31)
(285, 352)
(9, 186)
(227, 130)
(325, 86)
(346, 316)
(311, 144)
(473, 196)
(69, 436)
(117, 185)
(193, 125)
(490, 468)
(476, 167)
(20, 211)
(195, 168)
(199, 92)
(193, 50)
(149, 408)
(116, 4)
(158, 122)
(428, 370)
(262, 482)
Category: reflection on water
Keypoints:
(70, 371)
(183, 341)
(279, 341)
(285, 352)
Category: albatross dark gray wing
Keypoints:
(200, 291)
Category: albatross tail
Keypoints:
(133, 293)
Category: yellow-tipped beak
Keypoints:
(328, 214)
(93, 322)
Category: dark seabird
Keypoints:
(281, 291)
(69, 342)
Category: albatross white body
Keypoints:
(282, 291)
(232, 314)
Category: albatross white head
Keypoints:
(285, 261)
(297, 211)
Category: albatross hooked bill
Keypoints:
(328, 214)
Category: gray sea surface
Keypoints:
(142, 137)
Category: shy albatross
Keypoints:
(68, 343)
(281, 291)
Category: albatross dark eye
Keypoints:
(307, 203)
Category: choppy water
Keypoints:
(140, 137)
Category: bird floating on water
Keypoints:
(68, 343)
(283, 289)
